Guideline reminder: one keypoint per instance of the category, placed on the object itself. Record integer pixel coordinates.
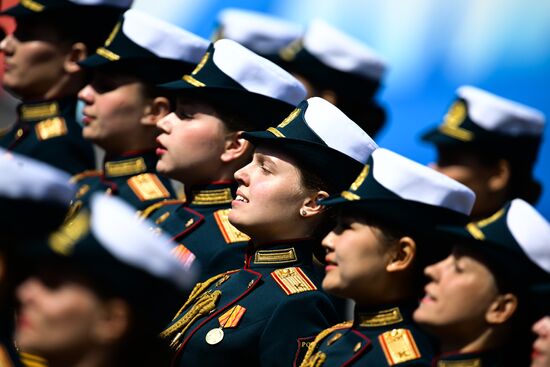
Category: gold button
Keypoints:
(19, 133)
(357, 347)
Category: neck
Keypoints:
(94, 357)
(484, 340)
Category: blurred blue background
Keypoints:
(431, 47)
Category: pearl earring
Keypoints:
(303, 212)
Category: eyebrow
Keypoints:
(265, 159)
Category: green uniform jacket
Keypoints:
(200, 227)
(481, 359)
(131, 177)
(48, 131)
(254, 316)
(385, 336)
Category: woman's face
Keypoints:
(269, 198)
(56, 316)
(458, 297)
(33, 60)
(541, 346)
(356, 257)
(467, 168)
(114, 106)
(191, 143)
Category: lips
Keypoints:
(161, 149)
(240, 197)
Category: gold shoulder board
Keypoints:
(148, 186)
(398, 346)
(82, 175)
(32, 360)
(51, 128)
(229, 232)
(293, 280)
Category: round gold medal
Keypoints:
(214, 336)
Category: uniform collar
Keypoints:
(130, 164)
(42, 110)
(475, 359)
(283, 253)
(382, 316)
(215, 193)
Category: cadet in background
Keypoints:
(262, 33)
(483, 299)
(122, 105)
(489, 144)
(98, 290)
(34, 198)
(386, 233)
(340, 69)
(41, 68)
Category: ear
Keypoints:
(502, 308)
(402, 255)
(235, 147)
(78, 52)
(155, 111)
(501, 176)
(310, 206)
(113, 321)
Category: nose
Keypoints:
(241, 176)
(6, 45)
(433, 271)
(165, 123)
(328, 242)
(27, 290)
(86, 94)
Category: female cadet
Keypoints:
(41, 68)
(231, 90)
(122, 105)
(489, 144)
(541, 346)
(483, 298)
(73, 312)
(374, 255)
(34, 198)
(263, 313)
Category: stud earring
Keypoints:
(303, 212)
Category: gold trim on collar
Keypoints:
(108, 54)
(476, 362)
(280, 256)
(276, 132)
(208, 197)
(126, 167)
(194, 82)
(381, 318)
(32, 5)
(40, 111)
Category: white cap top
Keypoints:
(127, 238)
(27, 178)
(256, 73)
(257, 31)
(501, 115)
(413, 181)
(337, 130)
(162, 38)
(531, 231)
(115, 3)
(342, 52)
